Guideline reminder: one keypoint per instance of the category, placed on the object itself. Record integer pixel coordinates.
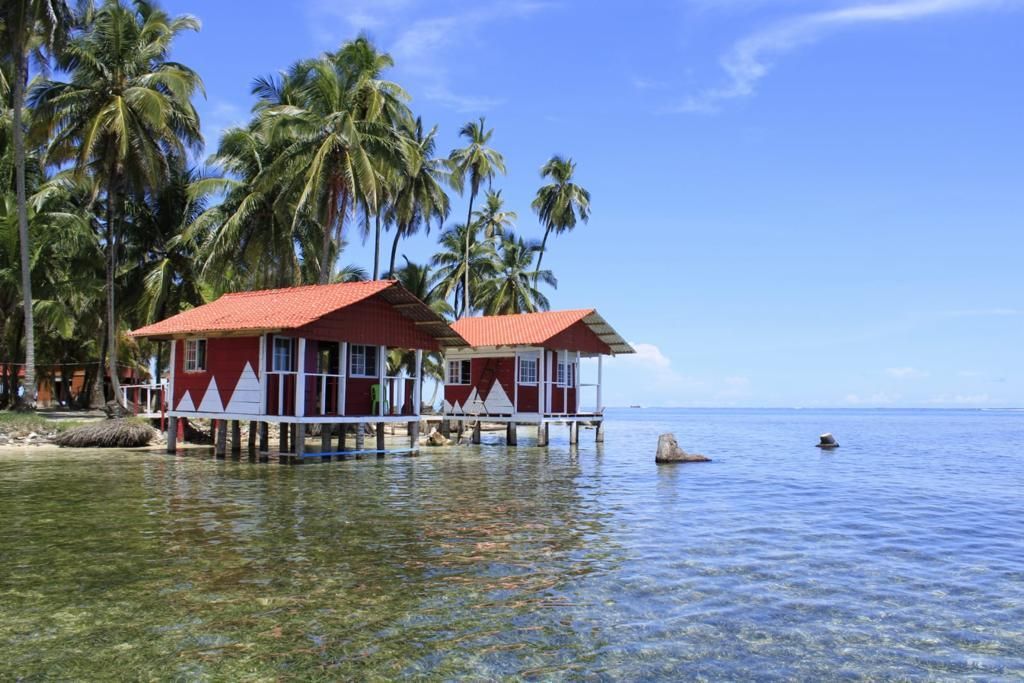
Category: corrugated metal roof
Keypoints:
(271, 310)
(534, 329)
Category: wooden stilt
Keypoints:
(299, 435)
(325, 439)
(599, 436)
(282, 438)
(360, 438)
(476, 432)
(414, 434)
(446, 428)
(295, 438)
(342, 433)
(253, 428)
(542, 434)
(264, 441)
(172, 434)
(236, 437)
(221, 446)
(574, 433)
(380, 437)
(511, 436)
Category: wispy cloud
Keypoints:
(906, 373)
(422, 48)
(752, 57)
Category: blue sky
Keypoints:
(795, 203)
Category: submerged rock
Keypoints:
(669, 451)
(827, 441)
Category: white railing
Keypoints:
(133, 394)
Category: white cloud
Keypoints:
(961, 399)
(646, 354)
(751, 58)
(906, 373)
(877, 399)
(420, 46)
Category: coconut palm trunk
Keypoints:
(376, 247)
(394, 250)
(469, 231)
(540, 254)
(115, 380)
(20, 79)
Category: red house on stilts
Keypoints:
(526, 369)
(313, 354)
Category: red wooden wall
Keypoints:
(578, 337)
(372, 321)
(225, 360)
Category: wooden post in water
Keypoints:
(414, 434)
(342, 433)
(236, 437)
(446, 428)
(282, 437)
(360, 437)
(325, 439)
(542, 434)
(172, 434)
(264, 441)
(252, 435)
(380, 438)
(476, 432)
(221, 446)
(300, 441)
(511, 435)
(574, 433)
(599, 437)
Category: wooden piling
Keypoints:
(236, 437)
(172, 434)
(574, 433)
(542, 434)
(511, 435)
(476, 432)
(221, 445)
(599, 436)
(380, 438)
(325, 439)
(282, 438)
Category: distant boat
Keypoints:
(636, 406)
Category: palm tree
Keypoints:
(418, 194)
(457, 267)
(512, 289)
(419, 280)
(29, 27)
(561, 203)
(493, 218)
(125, 113)
(336, 135)
(474, 163)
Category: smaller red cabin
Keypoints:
(313, 354)
(526, 367)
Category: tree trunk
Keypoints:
(376, 247)
(115, 380)
(20, 78)
(326, 265)
(469, 232)
(540, 255)
(97, 391)
(394, 250)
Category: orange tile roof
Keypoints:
(291, 308)
(533, 329)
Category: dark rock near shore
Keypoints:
(669, 451)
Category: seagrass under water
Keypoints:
(899, 555)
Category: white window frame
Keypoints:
(291, 355)
(562, 374)
(464, 376)
(523, 364)
(191, 360)
(369, 369)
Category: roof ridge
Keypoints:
(295, 288)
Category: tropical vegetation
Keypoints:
(112, 216)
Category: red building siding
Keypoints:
(502, 369)
(578, 337)
(373, 321)
(225, 359)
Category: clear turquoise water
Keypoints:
(898, 556)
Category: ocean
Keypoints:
(899, 555)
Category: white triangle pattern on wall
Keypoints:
(474, 406)
(245, 399)
(446, 407)
(211, 402)
(497, 401)
(186, 404)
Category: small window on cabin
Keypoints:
(363, 361)
(195, 355)
(527, 370)
(282, 354)
(560, 374)
(460, 372)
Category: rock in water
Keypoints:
(434, 438)
(669, 451)
(827, 441)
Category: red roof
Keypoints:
(534, 329)
(286, 309)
